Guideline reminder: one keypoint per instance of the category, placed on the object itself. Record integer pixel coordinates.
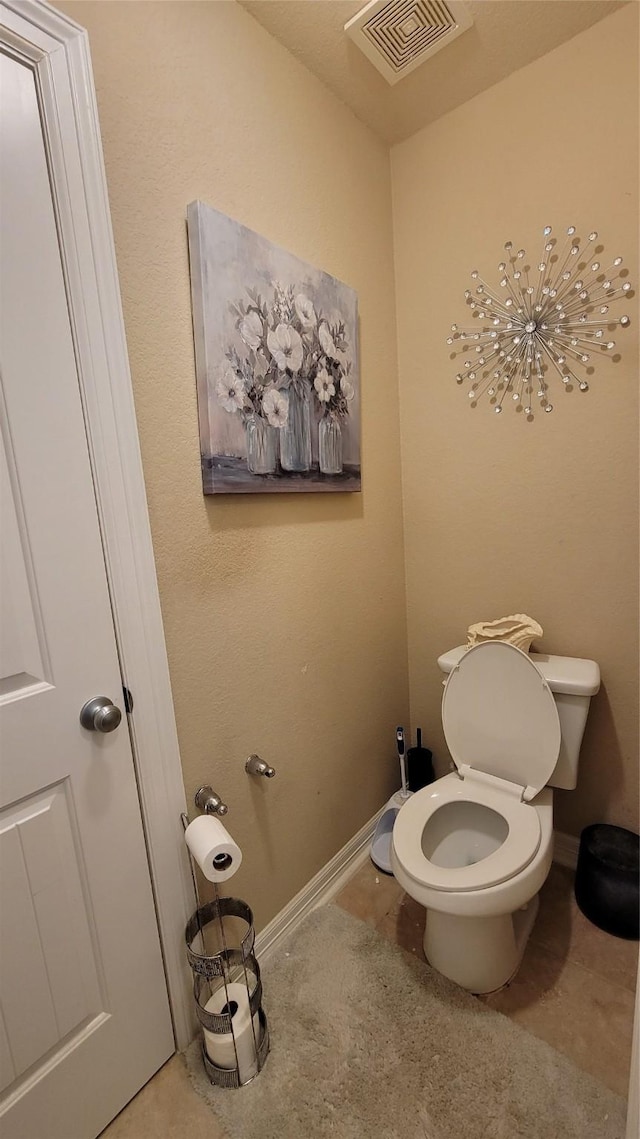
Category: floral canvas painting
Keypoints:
(277, 364)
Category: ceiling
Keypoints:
(506, 35)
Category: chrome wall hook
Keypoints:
(257, 766)
(207, 800)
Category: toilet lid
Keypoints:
(500, 717)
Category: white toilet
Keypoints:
(475, 847)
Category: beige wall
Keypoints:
(284, 616)
(502, 515)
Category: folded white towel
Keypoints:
(518, 630)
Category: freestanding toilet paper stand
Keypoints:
(227, 988)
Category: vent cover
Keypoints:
(398, 35)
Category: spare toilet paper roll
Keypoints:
(220, 1046)
(213, 848)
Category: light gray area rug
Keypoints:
(368, 1043)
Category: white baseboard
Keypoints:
(330, 880)
(320, 890)
(565, 849)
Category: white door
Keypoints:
(85, 1016)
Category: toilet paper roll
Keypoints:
(213, 848)
(220, 1046)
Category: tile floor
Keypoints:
(575, 989)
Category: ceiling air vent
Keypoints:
(398, 35)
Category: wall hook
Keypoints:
(257, 766)
(207, 801)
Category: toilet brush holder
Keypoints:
(380, 852)
(227, 990)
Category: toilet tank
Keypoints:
(573, 682)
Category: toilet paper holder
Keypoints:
(223, 973)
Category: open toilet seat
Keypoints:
(501, 725)
(518, 849)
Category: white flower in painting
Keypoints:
(285, 345)
(251, 330)
(326, 340)
(305, 310)
(276, 408)
(230, 391)
(324, 386)
(347, 389)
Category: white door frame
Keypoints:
(59, 50)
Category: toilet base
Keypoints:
(480, 954)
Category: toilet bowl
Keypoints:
(475, 847)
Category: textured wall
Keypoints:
(284, 616)
(502, 515)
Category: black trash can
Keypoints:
(607, 885)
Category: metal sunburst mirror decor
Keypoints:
(540, 323)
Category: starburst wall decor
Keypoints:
(540, 323)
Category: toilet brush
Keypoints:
(381, 842)
(403, 764)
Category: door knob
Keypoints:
(100, 715)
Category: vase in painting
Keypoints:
(262, 446)
(295, 436)
(330, 446)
